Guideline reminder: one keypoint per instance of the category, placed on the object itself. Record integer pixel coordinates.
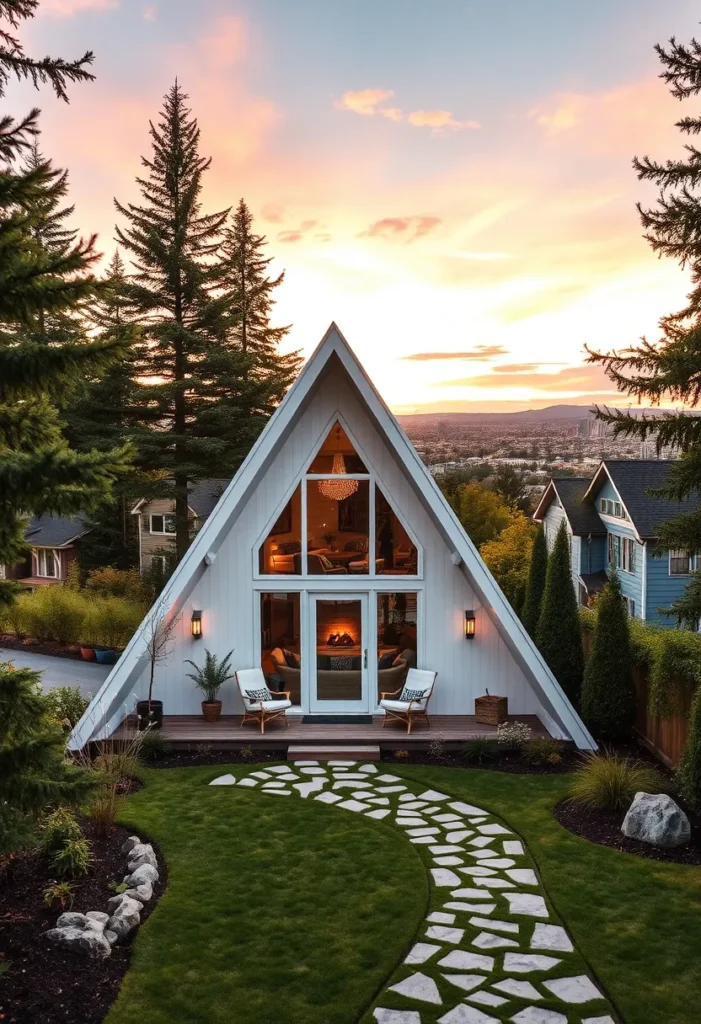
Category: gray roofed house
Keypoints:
(633, 479)
(54, 543)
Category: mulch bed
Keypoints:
(604, 828)
(31, 646)
(40, 982)
(199, 756)
(511, 762)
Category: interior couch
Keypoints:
(344, 683)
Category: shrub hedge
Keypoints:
(73, 617)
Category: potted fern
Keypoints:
(209, 678)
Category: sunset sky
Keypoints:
(450, 181)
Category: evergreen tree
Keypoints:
(535, 587)
(670, 368)
(608, 696)
(33, 773)
(200, 402)
(559, 634)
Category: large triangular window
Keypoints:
(335, 518)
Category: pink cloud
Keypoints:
(410, 228)
(438, 119)
(572, 378)
(481, 353)
(364, 101)
(69, 8)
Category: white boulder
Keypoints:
(126, 917)
(141, 854)
(656, 819)
(144, 875)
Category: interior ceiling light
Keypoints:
(337, 490)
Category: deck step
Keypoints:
(326, 752)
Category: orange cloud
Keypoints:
(364, 101)
(572, 378)
(521, 367)
(481, 352)
(409, 227)
(367, 103)
(438, 119)
(68, 8)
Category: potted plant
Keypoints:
(159, 638)
(209, 678)
(329, 539)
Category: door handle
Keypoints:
(365, 658)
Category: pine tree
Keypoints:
(33, 773)
(608, 696)
(535, 586)
(559, 635)
(670, 368)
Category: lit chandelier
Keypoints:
(337, 490)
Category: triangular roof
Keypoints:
(107, 708)
(633, 479)
(581, 515)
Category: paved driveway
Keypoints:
(88, 675)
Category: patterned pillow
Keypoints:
(289, 547)
(342, 664)
(408, 694)
(262, 694)
(291, 659)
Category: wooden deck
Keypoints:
(227, 733)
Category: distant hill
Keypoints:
(549, 414)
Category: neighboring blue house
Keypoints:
(612, 519)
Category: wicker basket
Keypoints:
(491, 710)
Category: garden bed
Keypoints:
(202, 755)
(510, 761)
(51, 647)
(43, 982)
(604, 827)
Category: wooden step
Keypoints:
(326, 752)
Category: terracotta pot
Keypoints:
(211, 710)
(87, 653)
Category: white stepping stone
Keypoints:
(497, 926)
(289, 777)
(487, 999)
(307, 764)
(409, 803)
(457, 837)
(328, 798)
(418, 986)
(380, 813)
(521, 989)
(574, 990)
(420, 953)
(449, 862)
(224, 780)
(463, 808)
(481, 854)
(487, 940)
(524, 876)
(524, 963)
(526, 903)
(408, 814)
(443, 877)
(423, 840)
(313, 771)
(354, 805)
(384, 1016)
(476, 821)
(260, 775)
(513, 847)
(279, 769)
(551, 936)
(481, 841)
(447, 849)
(442, 934)
(388, 778)
(438, 917)
(446, 817)
(536, 1015)
(494, 883)
(434, 797)
(248, 782)
(461, 960)
(472, 908)
(337, 764)
(430, 810)
(274, 785)
(504, 862)
(383, 801)
(479, 871)
(472, 894)
(598, 1020)
(465, 981)
(411, 824)
(427, 830)
(276, 792)
(350, 784)
(462, 1014)
(336, 772)
(494, 830)
(343, 773)
(389, 789)
(368, 769)
(305, 788)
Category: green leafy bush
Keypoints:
(543, 750)
(513, 735)
(73, 858)
(110, 622)
(58, 895)
(153, 745)
(609, 781)
(479, 749)
(66, 703)
(126, 583)
(55, 613)
(73, 617)
(689, 771)
(59, 828)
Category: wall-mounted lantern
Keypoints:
(469, 625)
(196, 624)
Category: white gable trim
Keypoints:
(107, 709)
(593, 488)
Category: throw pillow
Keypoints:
(341, 664)
(263, 694)
(408, 694)
(386, 661)
(323, 661)
(291, 659)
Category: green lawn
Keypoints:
(286, 911)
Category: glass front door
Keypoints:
(338, 642)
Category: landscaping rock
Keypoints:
(88, 941)
(98, 918)
(111, 936)
(130, 843)
(143, 893)
(70, 919)
(142, 854)
(144, 875)
(126, 917)
(656, 819)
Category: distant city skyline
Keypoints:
(451, 183)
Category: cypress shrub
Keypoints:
(689, 771)
(559, 635)
(608, 696)
(536, 583)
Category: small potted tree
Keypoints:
(210, 678)
(159, 639)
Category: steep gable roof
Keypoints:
(582, 516)
(54, 531)
(333, 352)
(205, 494)
(633, 479)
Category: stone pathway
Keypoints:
(491, 949)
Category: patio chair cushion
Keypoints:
(398, 705)
(271, 705)
(262, 694)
